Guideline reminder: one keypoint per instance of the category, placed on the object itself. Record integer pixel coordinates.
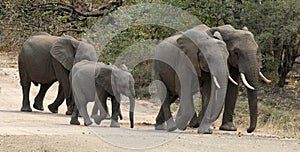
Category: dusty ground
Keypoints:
(44, 131)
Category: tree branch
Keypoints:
(72, 9)
(73, 30)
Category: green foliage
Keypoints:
(276, 27)
(275, 24)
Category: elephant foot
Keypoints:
(26, 109)
(171, 125)
(172, 128)
(97, 119)
(194, 123)
(229, 126)
(208, 131)
(38, 106)
(114, 124)
(87, 123)
(70, 110)
(74, 121)
(161, 126)
(52, 108)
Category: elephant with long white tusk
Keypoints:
(185, 63)
(243, 64)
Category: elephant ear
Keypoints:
(63, 50)
(191, 51)
(104, 77)
(226, 31)
(217, 35)
(85, 51)
(228, 34)
(206, 46)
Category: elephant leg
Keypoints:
(171, 126)
(115, 112)
(70, 103)
(205, 91)
(74, 117)
(53, 107)
(95, 110)
(38, 100)
(194, 123)
(25, 83)
(100, 103)
(82, 107)
(186, 109)
(160, 121)
(230, 101)
(165, 115)
(63, 78)
(25, 89)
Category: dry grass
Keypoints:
(279, 110)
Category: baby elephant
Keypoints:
(95, 81)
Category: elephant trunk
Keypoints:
(252, 101)
(252, 76)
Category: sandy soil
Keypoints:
(44, 131)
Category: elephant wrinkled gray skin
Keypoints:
(45, 59)
(243, 63)
(96, 81)
(183, 63)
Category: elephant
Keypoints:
(96, 81)
(243, 63)
(185, 62)
(45, 59)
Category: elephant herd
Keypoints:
(209, 60)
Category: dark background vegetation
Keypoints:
(275, 24)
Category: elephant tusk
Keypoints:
(264, 78)
(245, 82)
(216, 82)
(231, 80)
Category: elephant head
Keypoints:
(207, 54)
(117, 81)
(243, 60)
(69, 51)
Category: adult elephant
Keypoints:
(181, 62)
(45, 59)
(243, 63)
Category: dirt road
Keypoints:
(44, 131)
